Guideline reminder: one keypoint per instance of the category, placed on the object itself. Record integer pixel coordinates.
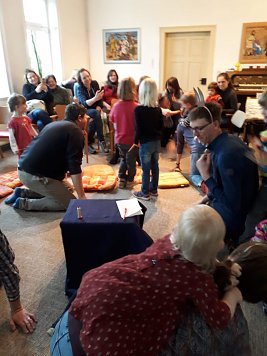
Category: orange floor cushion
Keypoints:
(99, 177)
(98, 170)
(10, 179)
(172, 180)
(4, 191)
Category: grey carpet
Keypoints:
(36, 240)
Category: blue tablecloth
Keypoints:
(100, 236)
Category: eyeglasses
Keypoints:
(199, 129)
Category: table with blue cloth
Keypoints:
(100, 236)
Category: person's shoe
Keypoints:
(154, 193)
(16, 194)
(140, 195)
(18, 203)
(103, 146)
(91, 149)
(264, 308)
(129, 185)
(122, 183)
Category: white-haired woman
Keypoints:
(148, 131)
(133, 305)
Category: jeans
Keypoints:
(149, 156)
(40, 118)
(44, 194)
(95, 126)
(127, 162)
(60, 342)
(194, 175)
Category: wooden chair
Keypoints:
(4, 134)
(86, 140)
(111, 129)
(60, 111)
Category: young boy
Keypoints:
(20, 127)
(185, 134)
(213, 94)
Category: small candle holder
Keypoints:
(79, 212)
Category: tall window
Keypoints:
(42, 36)
(4, 87)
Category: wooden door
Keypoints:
(186, 57)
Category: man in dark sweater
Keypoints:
(42, 168)
(234, 181)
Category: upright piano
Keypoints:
(248, 82)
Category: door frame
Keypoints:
(164, 31)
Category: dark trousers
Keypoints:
(95, 126)
(127, 162)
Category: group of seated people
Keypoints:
(100, 322)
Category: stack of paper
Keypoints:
(129, 207)
(253, 109)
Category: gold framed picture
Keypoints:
(253, 48)
(121, 46)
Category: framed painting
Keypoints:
(121, 46)
(253, 48)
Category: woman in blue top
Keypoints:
(90, 96)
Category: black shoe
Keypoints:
(91, 149)
(103, 146)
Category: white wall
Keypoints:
(72, 17)
(150, 15)
(81, 23)
(73, 33)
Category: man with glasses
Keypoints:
(233, 182)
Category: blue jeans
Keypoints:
(194, 175)
(95, 126)
(60, 342)
(149, 156)
(40, 118)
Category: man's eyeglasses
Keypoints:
(199, 129)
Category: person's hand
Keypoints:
(132, 147)
(168, 113)
(98, 108)
(99, 94)
(203, 165)
(108, 107)
(236, 270)
(39, 88)
(44, 88)
(23, 319)
(235, 273)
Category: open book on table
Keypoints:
(129, 207)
